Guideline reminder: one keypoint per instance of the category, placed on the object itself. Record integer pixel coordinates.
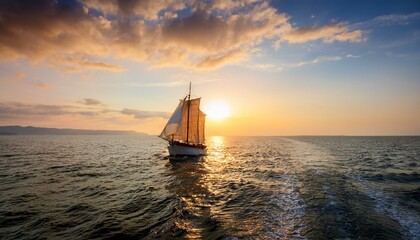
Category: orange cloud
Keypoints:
(39, 29)
(81, 64)
(211, 62)
(17, 77)
(41, 85)
(148, 9)
(185, 33)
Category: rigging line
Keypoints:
(188, 115)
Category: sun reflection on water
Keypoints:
(211, 192)
(216, 158)
(191, 185)
(216, 149)
(216, 143)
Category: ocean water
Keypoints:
(125, 187)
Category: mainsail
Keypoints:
(186, 123)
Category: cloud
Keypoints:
(175, 83)
(392, 22)
(37, 29)
(91, 101)
(352, 56)
(231, 5)
(19, 75)
(329, 33)
(41, 85)
(17, 110)
(317, 60)
(216, 61)
(16, 78)
(147, 9)
(178, 80)
(145, 114)
(391, 19)
(267, 67)
(81, 64)
(73, 35)
(279, 67)
(13, 109)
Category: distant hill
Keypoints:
(19, 130)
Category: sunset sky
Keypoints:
(286, 67)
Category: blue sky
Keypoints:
(284, 67)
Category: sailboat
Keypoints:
(185, 129)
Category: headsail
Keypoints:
(174, 123)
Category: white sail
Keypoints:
(172, 128)
(186, 123)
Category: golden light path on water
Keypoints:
(209, 189)
(224, 179)
(193, 186)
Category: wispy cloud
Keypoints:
(399, 19)
(41, 85)
(267, 67)
(145, 114)
(352, 56)
(215, 61)
(338, 32)
(410, 36)
(388, 20)
(91, 101)
(159, 84)
(316, 60)
(20, 77)
(81, 64)
(280, 67)
(16, 78)
(179, 80)
(17, 110)
(147, 9)
(186, 33)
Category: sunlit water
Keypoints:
(83, 187)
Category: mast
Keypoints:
(188, 115)
(198, 126)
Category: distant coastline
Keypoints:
(30, 130)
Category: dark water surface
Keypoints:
(112, 187)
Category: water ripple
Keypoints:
(126, 187)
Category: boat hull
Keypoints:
(178, 150)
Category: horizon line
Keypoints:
(280, 135)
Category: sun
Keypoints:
(217, 110)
